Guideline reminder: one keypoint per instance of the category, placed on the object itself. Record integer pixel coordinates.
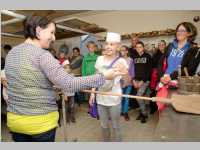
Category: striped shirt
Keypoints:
(31, 73)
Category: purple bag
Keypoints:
(93, 110)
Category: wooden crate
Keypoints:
(189, 85)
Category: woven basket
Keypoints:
(189, 85)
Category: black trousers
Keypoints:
(48, 136)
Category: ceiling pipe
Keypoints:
(13, 14)
(18, 17)
(3, 23)
(11, 35)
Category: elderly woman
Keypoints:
(31, 72)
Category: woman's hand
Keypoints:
(165, 79)
(91, 99)
(110, 74)
(4, 82)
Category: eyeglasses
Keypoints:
(182, 31)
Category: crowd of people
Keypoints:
(31, 71)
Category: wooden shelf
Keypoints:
(167, 32)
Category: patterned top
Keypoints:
(31, 74)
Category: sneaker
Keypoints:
(143, 118)
(59, 124)
(73, 119)
(139, 116)
(67, 119)
(126, 117)
(152, 111)
(153, 107)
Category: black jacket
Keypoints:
(156, 58)
(143, 65)
(132, 52)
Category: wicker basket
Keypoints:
(189, 85)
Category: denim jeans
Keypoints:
(140, 92)
(112, 113)
(48, 136)
(125, 100)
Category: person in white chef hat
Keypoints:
(109, 107)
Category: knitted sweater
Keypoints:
(31, 73)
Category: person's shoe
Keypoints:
(153, 107)
(122, 114)
(143, 118)
(72, 115)
(152, 111)
(135, 105)
(73, 120)
(67, 119)
(59, 123)
(139, 116)
(126, 117)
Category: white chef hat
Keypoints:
(66, 62)
(113, 37)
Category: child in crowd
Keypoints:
(89, 60)
(69, 98)
(109, 107)
(126, 83)
(62, 57)
(143, 63)
(76, 65)
(70, 114)
(88, 64)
